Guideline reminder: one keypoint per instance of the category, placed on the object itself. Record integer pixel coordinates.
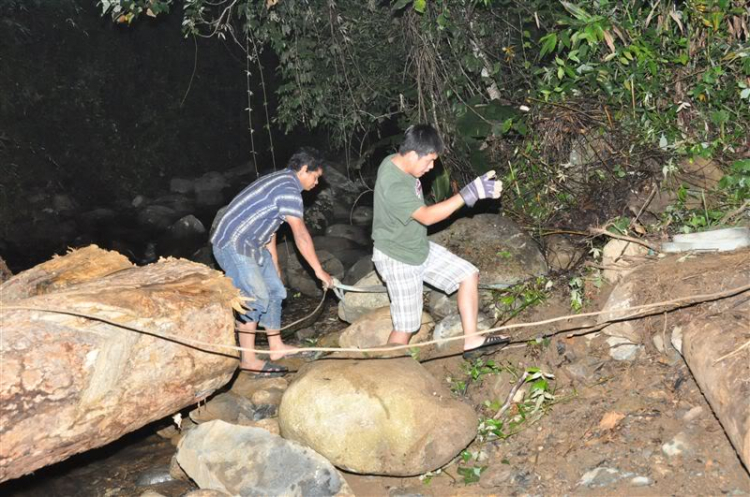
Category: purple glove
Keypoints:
(485, 186)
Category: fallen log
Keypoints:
(713, 350)
(714, 333)
(70, 383)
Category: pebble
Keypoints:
(641, 481)
(693, 413)
(495, 476)
(677, 446)
(622, 349)
(600, 477)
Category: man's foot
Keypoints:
(491, 344)
(264, 369)
(284, 352)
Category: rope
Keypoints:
(197, 344)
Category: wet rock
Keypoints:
(138, 201)
(496, 245)
(209, 189)
(356, 234)
(183, 237)
(343, 188)
(154, 476)
(181, 204)
(384, 417)
(228, 407)
(62, 203)
(372, 330)
(157, 218)
(301, 278)
(362, 216)
(92, 220)
(345, 250)
(355, 304)
(181, 185)
(319, 213)
(359, 270)
(243, 460)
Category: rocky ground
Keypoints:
(613, 427)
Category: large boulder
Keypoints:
(209, 189)
(357, 234)
(359, 270)
(504, 254)
(247, 461)
(157, 218)
(71, 383)
(300, 277)
(386, 417)
(183, 238)
(344, 249)
(372, 330)
(319, 213)
(355, 304)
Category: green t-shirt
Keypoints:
(394, 231)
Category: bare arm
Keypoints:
(429, 215)
(304, 243)
(274, 253)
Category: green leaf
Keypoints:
(400, 4)
(420, 5)
(548, 44)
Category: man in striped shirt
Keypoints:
(244, 244)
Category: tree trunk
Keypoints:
(71, 383)
(726, 383)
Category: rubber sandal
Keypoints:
(269, 370)
(491, 344)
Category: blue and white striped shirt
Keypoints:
(254, 215)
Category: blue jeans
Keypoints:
(259, 282)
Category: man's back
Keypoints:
(255, 214)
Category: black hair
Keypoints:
(422, 139)
(308, 156)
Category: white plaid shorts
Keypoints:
(442, 269)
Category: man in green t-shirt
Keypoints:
(405, 258)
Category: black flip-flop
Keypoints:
(492, 343)
(269, 370)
